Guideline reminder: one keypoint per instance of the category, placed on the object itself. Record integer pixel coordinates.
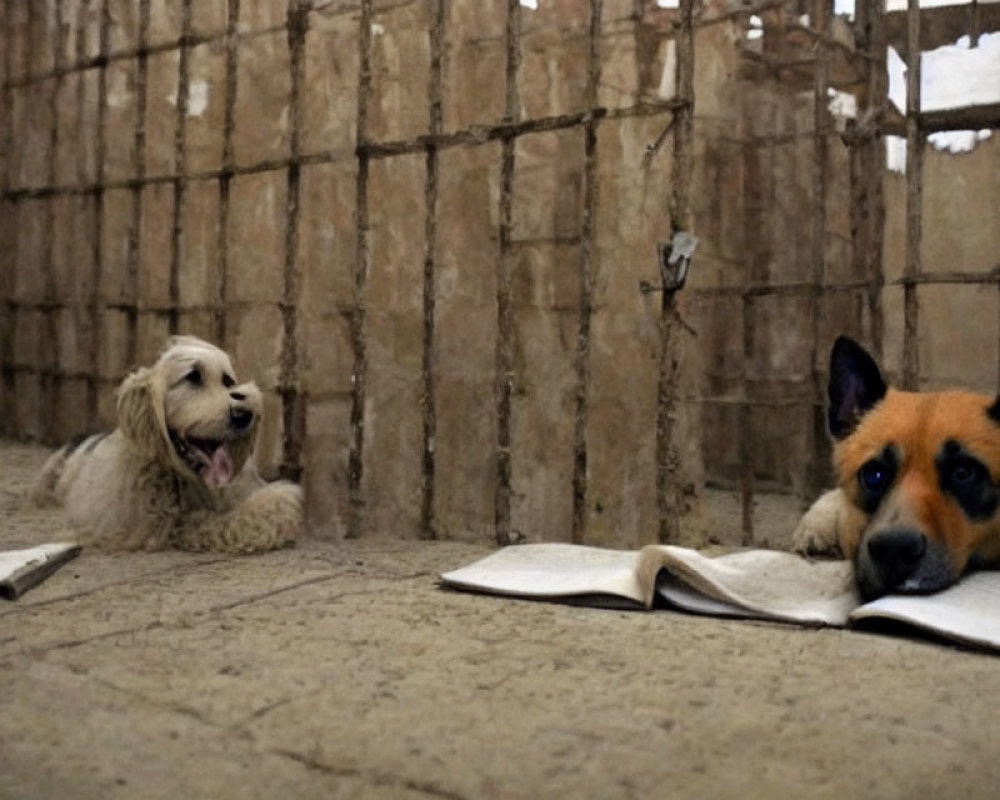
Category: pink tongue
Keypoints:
(220, 471)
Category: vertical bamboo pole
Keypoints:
(51, 380)
(868, 165)
(180, 181)
(359, 373)
(8, 259)
(820, 440)
(292, 400)
(914, 192)
(753, 212)
(746, 427)
(132, 288)
(504, 382)
(221, 289)
(668, 468)
(96, 287)
(429, 407)
(587, 236)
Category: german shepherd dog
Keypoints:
(918, 481)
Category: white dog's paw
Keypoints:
(817, 531)
(277, 514)
(281, 498)
(269, 519)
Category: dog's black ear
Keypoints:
(994, 410)
(855, 386)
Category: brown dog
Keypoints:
(918, 477)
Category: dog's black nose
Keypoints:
(240, 417)
(895, 554)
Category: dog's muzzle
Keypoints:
(902, 560)
(211, 459)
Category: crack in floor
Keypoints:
(375, 778)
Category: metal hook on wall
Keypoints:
(675, 262)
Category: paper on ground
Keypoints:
(759, 584)
(765, 583)
(969, 611)
(22, 569)
(553, 570)
(752, 583)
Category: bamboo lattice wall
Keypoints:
(422, 226)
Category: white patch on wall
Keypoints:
(668, 3)
(895, 154)
(197, 97)
(756, 29)
(668, 79)
(532, 4)
(119, 93)
(842, 105)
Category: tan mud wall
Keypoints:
(958, 335)
(421, 226)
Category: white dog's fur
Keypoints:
(179, 470)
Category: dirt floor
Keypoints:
(341, 670)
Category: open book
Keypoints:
(756, 584)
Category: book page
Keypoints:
(678, 594)
(967, 612)
(555, 571)
(762, 583)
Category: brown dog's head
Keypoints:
(921, 470)
(187, 411)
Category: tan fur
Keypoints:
(133, 490)
(920, 423)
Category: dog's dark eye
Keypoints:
(228, 380)
(874, 476)
(968, 481)
(194, 377)
(964, 472)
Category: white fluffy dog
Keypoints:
(178, 471)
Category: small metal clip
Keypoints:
(675, 261)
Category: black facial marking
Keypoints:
(856, 385)
(993, 412)
(966, 478)
(875, 478)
